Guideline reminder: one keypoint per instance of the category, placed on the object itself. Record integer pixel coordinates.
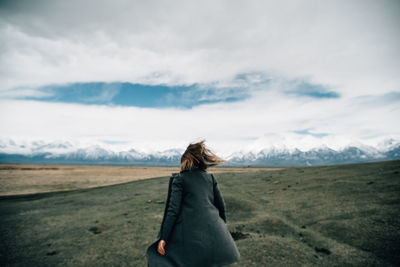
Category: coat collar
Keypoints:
(194, 169)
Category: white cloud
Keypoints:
(251, 124)
(349, 45)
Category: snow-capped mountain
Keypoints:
(323, 155)
(66, 152)
(61, 152)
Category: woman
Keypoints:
(193, 230)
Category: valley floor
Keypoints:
(340, 215)
(18, 179)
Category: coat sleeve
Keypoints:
(218, 200)
(174, 207)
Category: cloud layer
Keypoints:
(349, 45)
(265, 120)
(303, 73)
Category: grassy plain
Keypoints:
(36, 178)
(338, 215)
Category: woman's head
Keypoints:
(197, 155)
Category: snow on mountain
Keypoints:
(388, 144)
(69, 152)
(322, 155)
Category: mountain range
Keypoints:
(64, 152)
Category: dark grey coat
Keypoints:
(194, 224)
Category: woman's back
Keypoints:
(198, 190)
(194, 224)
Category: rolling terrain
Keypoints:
(338, 215)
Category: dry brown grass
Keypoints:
(35, 178)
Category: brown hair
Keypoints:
(197, 155)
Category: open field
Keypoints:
(36, 178)
(341, 215)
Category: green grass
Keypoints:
(340, 215)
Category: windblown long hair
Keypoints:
(197, 155)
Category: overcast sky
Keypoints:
(160, 74)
